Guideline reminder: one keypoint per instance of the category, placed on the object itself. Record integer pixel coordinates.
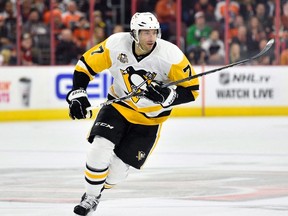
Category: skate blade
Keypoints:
(89, 214)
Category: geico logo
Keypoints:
(97, 88)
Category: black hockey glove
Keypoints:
(159, 95)
(78, 102)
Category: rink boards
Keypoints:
(38, 93)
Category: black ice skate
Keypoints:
(88, 204)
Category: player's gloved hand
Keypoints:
(157, 94)
(78, 102)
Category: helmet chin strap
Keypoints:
(140, 47)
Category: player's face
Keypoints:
(147, 39)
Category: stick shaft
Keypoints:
(266, 48)
(135, 93)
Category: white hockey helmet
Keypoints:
(140, 21)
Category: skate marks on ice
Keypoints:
(40, 185)
(180, 189)
(236, 166)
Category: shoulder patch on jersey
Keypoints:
(122, 57)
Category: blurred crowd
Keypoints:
(71, 35)
(75, 28)
(207, 36)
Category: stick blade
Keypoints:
(268, 46)
(270, 42)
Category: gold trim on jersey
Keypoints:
(187, 70)
(155, 143)
(144, 109)
(98, 58)
(128, 85)
(138, 118)
(195, 94)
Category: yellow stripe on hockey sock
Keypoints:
(96, 176)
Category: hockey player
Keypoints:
(125, 133)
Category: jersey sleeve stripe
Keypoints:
(193, 88)
(82, 59)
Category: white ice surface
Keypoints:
(201, 166)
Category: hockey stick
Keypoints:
(265, 49)
(135, 92)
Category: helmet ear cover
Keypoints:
(132, 33)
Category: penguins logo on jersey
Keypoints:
(141, 155)
(132, 78)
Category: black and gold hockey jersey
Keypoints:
(166, 61)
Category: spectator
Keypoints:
(26, 7)
(241, 40)
(254, 35)
(40, 34)
(98, 19)
(118, 28)
(67, 52)
(5, 42)
(56, 12)
(284, 16)
(267, 58)
(105, 9)
(234, 53)
(5, 57)
(166, 14)
(9, 10)
(35, 26)
(188, 11)
(40, 6)
(270, 8)
(234, 25)
(284, 57)
(247, 9)
(220, 10)
(29, 54)
(214, 47)
(198, 32)
(81, 34)
(233, 17)
(57, 19)
(207, 8)
(10, 20)
(197, 56)
(8, 34)
(265, 20)
(72, 15)
(2, 6)
(99, 35)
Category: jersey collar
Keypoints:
(140, 57)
